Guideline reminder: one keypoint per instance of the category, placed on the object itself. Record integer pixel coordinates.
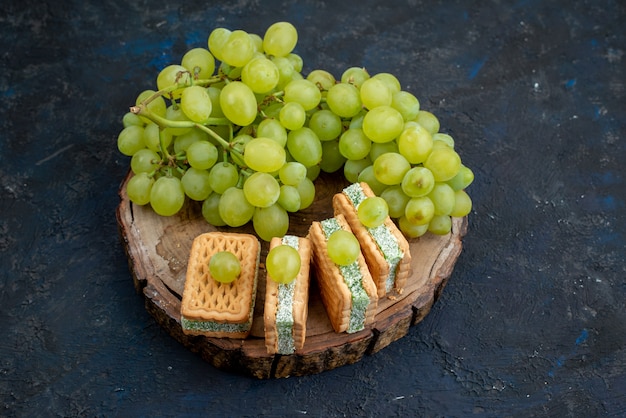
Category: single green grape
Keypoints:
(355, 76)
(214, 94)
(383, 124)
(202, 155)
(373, 211)
(445, 163)
(343, 247)
(238, 49)
(217, 40)
(419, 210)
(261, 75)
(326, 125)
(428, 121)
(261, 189)
(280, 39)
(238, 103)
(283, 264)
(390, 168)
(354, 145)
(131, 119)
(167, 196)
(406, 103)
(172, 75)
(296, 61)
(289, 198)
(223, 176)
(411, 230)
(196, 103)
(304, 92)
(445, 138)
(273, 129)
(374, 92)
(462, 179)
(199, 62)
(367, 175)
(396, 200)
(264, 154)
(415, 143)
(144, 161)
(224, 267)
(234, 208)
(390, 80)
(210, 210)
(304, 146)
(440, 224)
(306, 189)
(332, 160)
(322, 79)
(292, 116)
(352, 168)
(130, 140)
(175, 113)
(292, 173)
(270, 222)
(377, 149)
(152, 134)
(462, 204)
(138, 188)
(418, 181)
(442, 196)
(182, 142)
(344, 100)
(196, 183)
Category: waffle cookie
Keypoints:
(385, 248)
(287, 305)
(348, 292)
(217, 309)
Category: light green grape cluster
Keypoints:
(240, 128)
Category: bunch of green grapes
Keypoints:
(238, 127)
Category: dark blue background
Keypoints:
(532, 321)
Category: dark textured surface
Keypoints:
(532, 322)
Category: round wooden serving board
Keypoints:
(158, 247)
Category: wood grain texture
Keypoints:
(157, 249)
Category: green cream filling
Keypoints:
(284, 313)
(353, 278)
(383, 238)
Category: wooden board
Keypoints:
(157, 248)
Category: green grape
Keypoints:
(374, 93)
(322, 79)
(383, 124)
(419, 210)
(202, 155)
(172, 75)
(440, 225)
(234, 208)
(373, 211)
(326, 125)
(152, 137)
(196, 183)
(411, 230)
(343, 247)
(167, 196)
(224, 267)
(292, 116)
(355, 76)
(199, 62)
(440, 144)
(332, 160)
(214, 94)
(462, 179)
(156, 106)
(445, 163)
(406, 103)
(175, 113)
(344, 100)
(238, 103)
(357, 120)
(352, 168)
(313, 172)
(182, 142)
(286, 72)
(415, 143)
(130, 140)
(270, 222)
(378, 149)
(210, 210)
(462, 204)
(289, 198)
(272, 128)
(445, 138)
(131, 119)
(292, 173)
(418, 181)
(390, 168)
(238, 49)
(367, 175)
(283, 264)
(304, 92)
(257, 41)
(196, 103)
(144, 161)
(138, 188)
(306, 189)
(280, 39)
(217, 40)
(261, 189)
(296, 61)
(428, 121)
(223, 176)
(442, 196)
(264, 154)
(390, 80)
(304, 146)
(354, 145)
(261, 75)
(396, 200)
(230, 72)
